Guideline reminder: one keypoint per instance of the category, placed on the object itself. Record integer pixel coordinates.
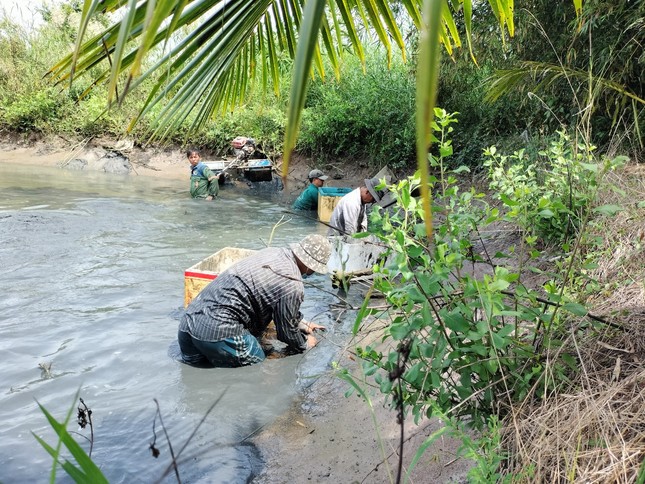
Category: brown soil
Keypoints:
(156, 161)
(329, 437)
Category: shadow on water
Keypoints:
(91, 272)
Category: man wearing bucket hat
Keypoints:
(308, 199)
(350, 214)
(223, 324)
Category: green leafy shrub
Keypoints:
(462, 89)
(465, 343)
(548, 195)
(30, 102)
(31, 113)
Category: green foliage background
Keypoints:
(367, 115)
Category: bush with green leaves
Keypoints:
(365, 116)
(462, 88)
(465, 342)
(550, 195)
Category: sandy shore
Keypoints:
(158, 162)
(324, 436)
(167, 163)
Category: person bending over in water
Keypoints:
(203, 182)
(350, 214)
(223, 324)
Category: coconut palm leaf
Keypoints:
(206, 41)
(308, 33)
(265, 27)
(468, 15)
(503, 10)
(427, 79)
(350, 28)
(539, 76)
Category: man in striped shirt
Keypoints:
(223, 324)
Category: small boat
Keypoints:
(250, 162)
(198, 276)
(257, 170)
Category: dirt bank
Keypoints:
(167, 162)
(329, 437)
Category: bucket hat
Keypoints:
(313, 251)
(317, 174)
(381, 196)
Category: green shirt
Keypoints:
(200, 187)
(308, 199)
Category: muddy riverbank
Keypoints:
(330, 437)
(166, 162)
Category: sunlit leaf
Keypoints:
(609, 210)
(427, 78)
(575, 308)
(308, 34)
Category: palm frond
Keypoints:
(314, 10)
(427, 79)
(195, 70)
(205, 40)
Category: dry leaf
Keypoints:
(613, 348)
(616, 374)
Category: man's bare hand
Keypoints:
(311, 341)
(309, 327)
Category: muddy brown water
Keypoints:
(91, 277)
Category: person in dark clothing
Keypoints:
(308, 199)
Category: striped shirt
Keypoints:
(263, 287)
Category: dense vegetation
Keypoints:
(599, 57)
(480, 328)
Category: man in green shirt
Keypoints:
(203, 182)
(308, 199)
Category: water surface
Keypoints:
(91, 277)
